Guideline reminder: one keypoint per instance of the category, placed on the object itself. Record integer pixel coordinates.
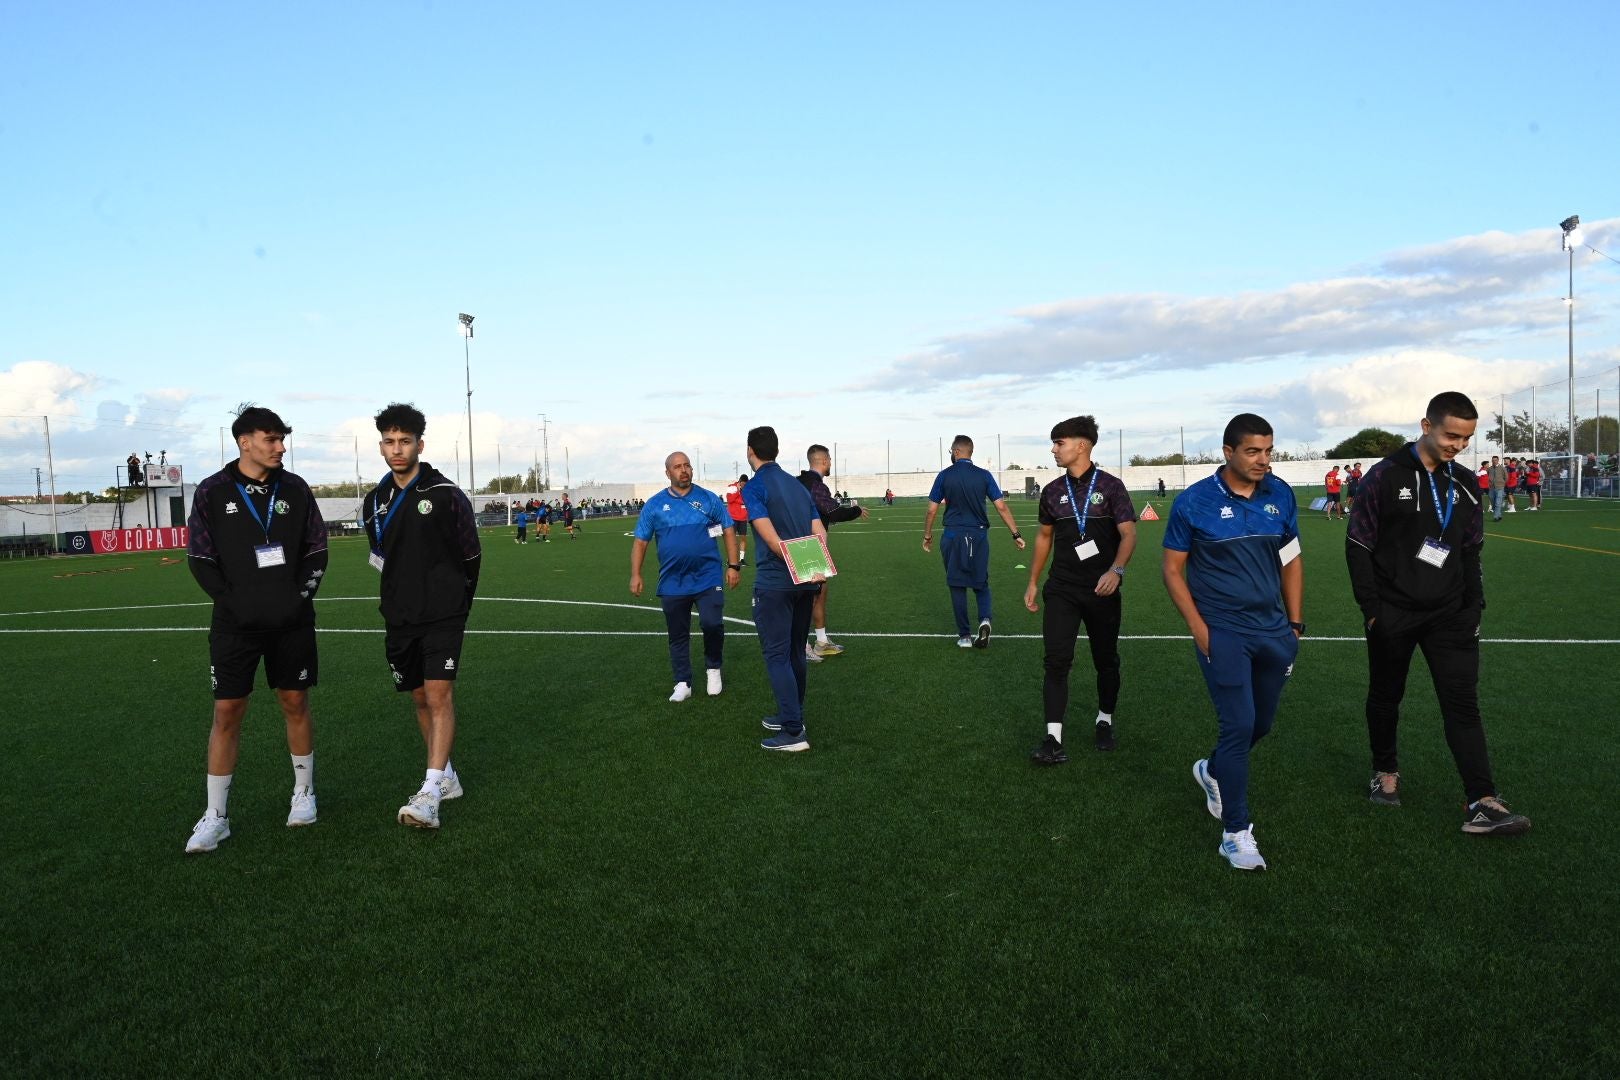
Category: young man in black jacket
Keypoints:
(424, 540)
(814, 479)
(1414, 542)
(257, 547)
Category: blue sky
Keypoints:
(857, 222)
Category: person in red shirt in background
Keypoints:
(1533, 478)
(1334, 483)
(1354, 486)
(739, 517)
(1512, 483)
(1484, 478)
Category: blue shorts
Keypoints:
(966, 552)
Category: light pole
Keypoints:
(1572, 239)
(466, 356)
(545, 449)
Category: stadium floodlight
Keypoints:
(1572, 239)
(466, 357)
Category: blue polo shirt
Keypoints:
(963, 487)
(688, 562)
(1234, 571)
(773, 494)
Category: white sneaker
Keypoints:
(450, 786)
(1239, 849)
(303, 808)
(682, 692)
(714, 681)
(810, 655)
(208, 832)
(964, 643)
(422, 812)
(1212, 790)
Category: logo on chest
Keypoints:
(1405, 493)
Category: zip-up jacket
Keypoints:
(231, 518)
(1389, 523)
(428, 541)
(826, 505)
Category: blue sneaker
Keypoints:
(783, 741)
(1212, 790)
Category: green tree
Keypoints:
(1370, 442)
(1600, 434)
(1524, 436)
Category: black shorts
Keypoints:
(289, 660)
(426, 651)
(1333, 496)
(740, 527)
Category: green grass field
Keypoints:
(633, 887)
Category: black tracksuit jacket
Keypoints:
(1392, 516)
(223, 536)
(431, 554)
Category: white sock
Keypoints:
(450, 769)
(219, 791)
(432, 781)
(304, 771)
(1056, 731)
(1105, 718)
(821, 635)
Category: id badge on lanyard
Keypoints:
(1435, 550)
(1085, 549)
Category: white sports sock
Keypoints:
(450, 769)
(821, 635)
(1105, 718)
(219, 792)
(432, 781)
(304, 771)
(1056, 731)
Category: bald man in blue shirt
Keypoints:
(964, 488)
(1232, 567)
(686, 521)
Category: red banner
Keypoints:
(105, 541)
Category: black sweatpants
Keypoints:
(1067, 607)
(1449, 639)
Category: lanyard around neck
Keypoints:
(1084, 511)
(270, 508)
(381, 525)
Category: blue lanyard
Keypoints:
(1084, 512)
(264, 522)
(393, 505)
(1445, 519)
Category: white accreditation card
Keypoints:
(1086, 549)
(1433, 552)
(716, 530)
(376, 561)
(270, 555)
(1289, 551)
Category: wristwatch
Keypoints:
(1298, 628)
(1018, 536)
(1120, 570)
(734, 566)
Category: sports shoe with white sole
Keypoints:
(983, 640)
(827, 648)
(422, 811)
(682, 692)
(1491, 817)
(783, 741)
(302, 810)
(1239, 849)
(208, 832)
(715, 685)
(1212, 790)
(810, 654)
(450, 787)
(964, 643)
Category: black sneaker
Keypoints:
(1491, 817)
(1385, 789)
(983, 640)
(1105, 736)
(1049, 752)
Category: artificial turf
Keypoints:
(633, 887)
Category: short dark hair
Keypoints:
(1452, 403)
(817, 448)
(253, 418)
(962, 442)
(1242, 425)
(743, 479)
(1076, 427)
(762, 441)
(401, 417)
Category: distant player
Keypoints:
(739, 517)
(522, 523)
(1532, 480)
(542, 518)
(1088, 525)
(964, 488)
(1352, 486)
(424, 540)
(258, 549)
(1334, 483)
(814, 480)
(1512, 485)
(685, 521)
(568, 517)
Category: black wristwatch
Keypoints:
(734, 566)
(1018, 536)
(1298, 628)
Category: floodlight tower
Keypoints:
(466, 356)
(1572, 240)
